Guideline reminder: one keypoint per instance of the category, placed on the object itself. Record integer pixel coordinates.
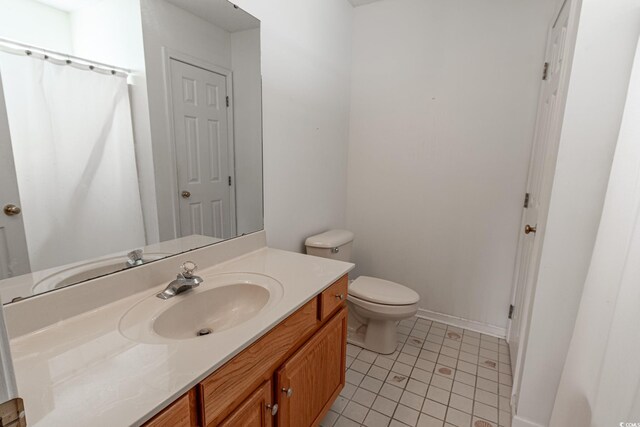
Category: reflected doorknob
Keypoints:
(11, 210)
(529, 229)
(186, 194)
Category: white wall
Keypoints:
(36, 24)
(306, 60)
(110, 31)
(606, 41)
(247, 116)
(165, 25)
(444, 96)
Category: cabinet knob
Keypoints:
(529, 229)
(274, 408)
(340, 296)
(287, 391)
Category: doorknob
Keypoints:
(186, 194)
(529, 229)
(11, 210)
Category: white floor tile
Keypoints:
(376, 419)
(355, 411)
(371, 384)
(412, 400)
(384, 406)
(428, 421)
(406, 415)
(391, 392)
(417, 387)
(485, 411)
(434, 409)
(330, 419)
(439, 376)
(458, 418)
(364, 397)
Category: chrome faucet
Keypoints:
(184, 281)
(134, 258)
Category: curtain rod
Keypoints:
(30, 49)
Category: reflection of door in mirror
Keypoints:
(203, 147)
(14, 258)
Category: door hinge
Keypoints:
(227, 101)
(229, 181)
(526, 200)
(511, 308)
(545, 71)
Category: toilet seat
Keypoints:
(377, 311)
(382, 292)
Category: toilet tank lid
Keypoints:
(382, 291)
(330, 239)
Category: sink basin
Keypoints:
(88, 270)
(221, 303)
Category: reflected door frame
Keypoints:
(14, 254)
(171, 54)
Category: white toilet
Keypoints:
(375, 305)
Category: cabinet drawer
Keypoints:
(181, 413)
(227, 388)
(333, 297)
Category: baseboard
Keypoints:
(471, 325)
(523, 422)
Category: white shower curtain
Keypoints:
(72, 139)
(600, 384)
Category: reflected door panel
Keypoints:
(14, 257)
(202, 144)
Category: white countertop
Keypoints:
(83, 372)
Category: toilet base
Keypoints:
(378, 336)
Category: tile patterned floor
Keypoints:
(439, 376)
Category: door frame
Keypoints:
(550, 158)
(169, 54)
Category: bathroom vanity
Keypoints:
(99, 353)
(293, 373)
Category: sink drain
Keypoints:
(202, 332)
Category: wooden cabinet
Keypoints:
(256, 411)
(305, 353)
(181, 413)
(223, 390)
(312, 378)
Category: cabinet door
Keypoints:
(309, 382)
(255, 411)
(181, 413)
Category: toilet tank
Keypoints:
(334, 244)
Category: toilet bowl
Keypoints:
(375, 305)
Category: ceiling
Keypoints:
(219, 12)
(65, 5)
(361, 2)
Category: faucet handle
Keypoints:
(135, 255)
(188, 268)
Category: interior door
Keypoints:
(309, 382)
(14, 257)
(200, 113)
(541, 171)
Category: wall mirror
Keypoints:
(130, 131)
